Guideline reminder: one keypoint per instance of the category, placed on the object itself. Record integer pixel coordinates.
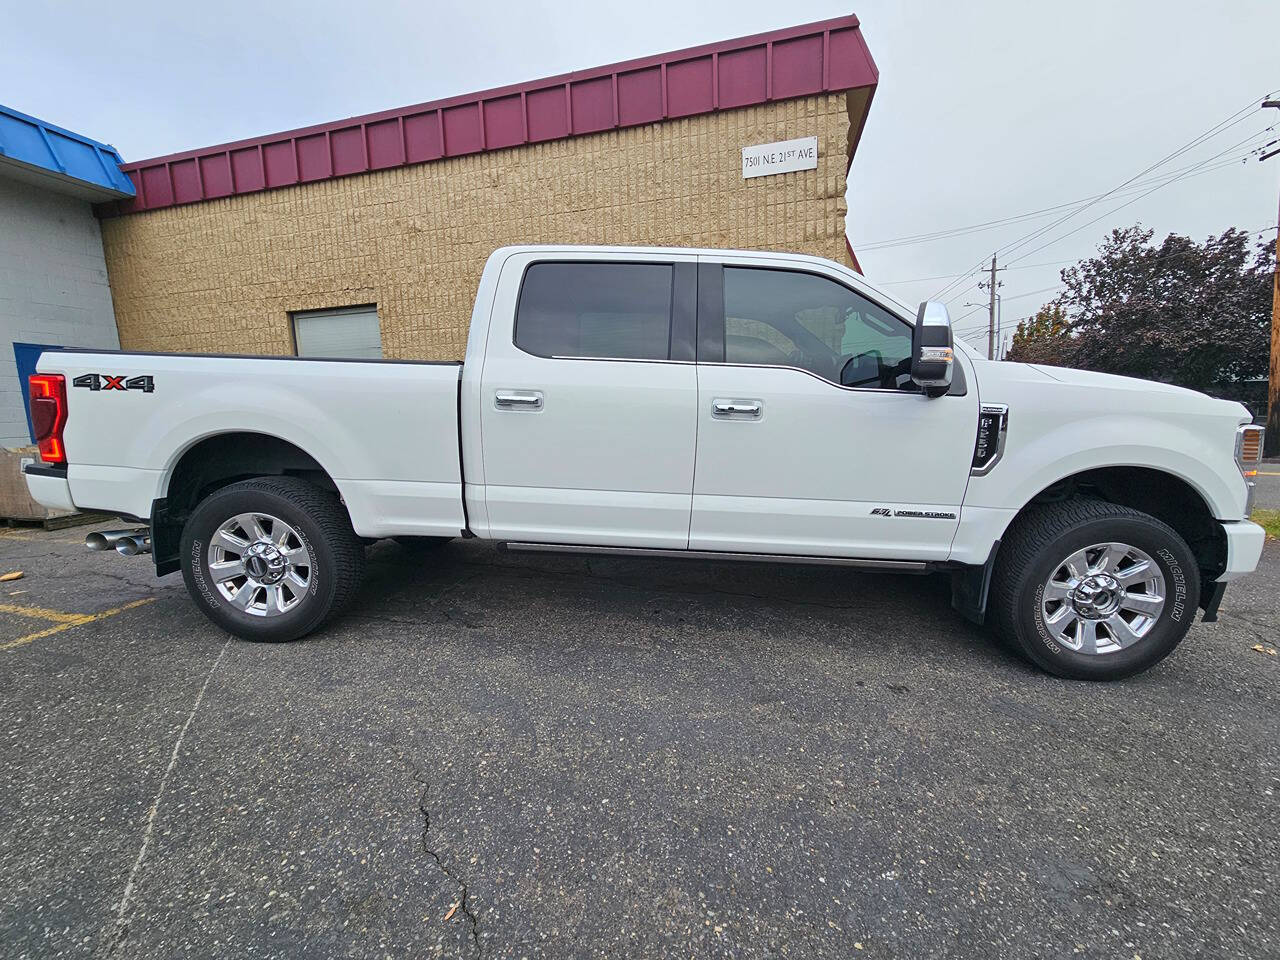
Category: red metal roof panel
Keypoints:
(799, 61)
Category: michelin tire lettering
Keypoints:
(1179, 585)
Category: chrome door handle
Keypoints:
(736, 409)
(518, 399)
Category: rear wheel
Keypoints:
(271, 559)
(1093, 590)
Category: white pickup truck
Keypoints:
(673, 403)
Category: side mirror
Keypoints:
(932, 349)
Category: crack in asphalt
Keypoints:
(120, 929)
(467, 910)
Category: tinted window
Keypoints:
(595, 310)
(785, 318)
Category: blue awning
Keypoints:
(56, 159)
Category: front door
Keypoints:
(588, 403)
(811, 437)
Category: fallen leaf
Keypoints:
(12, 575)
(452, 911)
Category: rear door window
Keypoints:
(612, 310)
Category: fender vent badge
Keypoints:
(988, 448)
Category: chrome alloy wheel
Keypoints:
(1103, 598)
(260, 564)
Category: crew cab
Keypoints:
(677, 403)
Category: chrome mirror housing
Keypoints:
(932, 348)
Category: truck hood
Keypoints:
(1133, 393)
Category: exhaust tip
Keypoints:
(133, 546)
(110, 539)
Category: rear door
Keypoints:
(811, 437)
(588, 401)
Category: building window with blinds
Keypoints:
(348, 333)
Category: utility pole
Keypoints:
(991, 308)
(1272, 443)
(991, 323)
(999, 327)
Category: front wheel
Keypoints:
(271, 559)
(1092, 590)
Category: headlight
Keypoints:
(1248, 456)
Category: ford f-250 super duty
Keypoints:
(681, 403)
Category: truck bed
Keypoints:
(385, 431)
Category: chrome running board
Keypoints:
(915, 566)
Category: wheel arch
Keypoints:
(215, 461)
(1163, 494)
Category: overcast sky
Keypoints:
(985, 111)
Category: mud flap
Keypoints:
(970, 586)
(1210, 598)
(166, 533)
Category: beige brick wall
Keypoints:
(223, 275)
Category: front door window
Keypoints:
(792, 319)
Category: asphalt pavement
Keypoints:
(558, 757)
(1268, 486)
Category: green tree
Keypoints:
(1042, 338)
(1198, 315)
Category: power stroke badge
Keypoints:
(920, 514)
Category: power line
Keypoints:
(1190, 170)
(983, 306)
(1213, 131)
(1103, 217)
(944, 276)
(1171, 256)
(963, 290)
(1032, 293)
(950, 232)
(1164, 179)
(1239, 116)
(1083, 226)
(1046, 263)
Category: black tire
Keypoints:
(1038, 543)
(422, 544)
(322, 524)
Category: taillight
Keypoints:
(49, 414)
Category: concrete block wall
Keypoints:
(223, 275)
(53, 286)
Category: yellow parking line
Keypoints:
(64, 621)
(40, 613)
(1267, 473)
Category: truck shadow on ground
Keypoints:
(482, 589)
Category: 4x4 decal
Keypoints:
(104, 381)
